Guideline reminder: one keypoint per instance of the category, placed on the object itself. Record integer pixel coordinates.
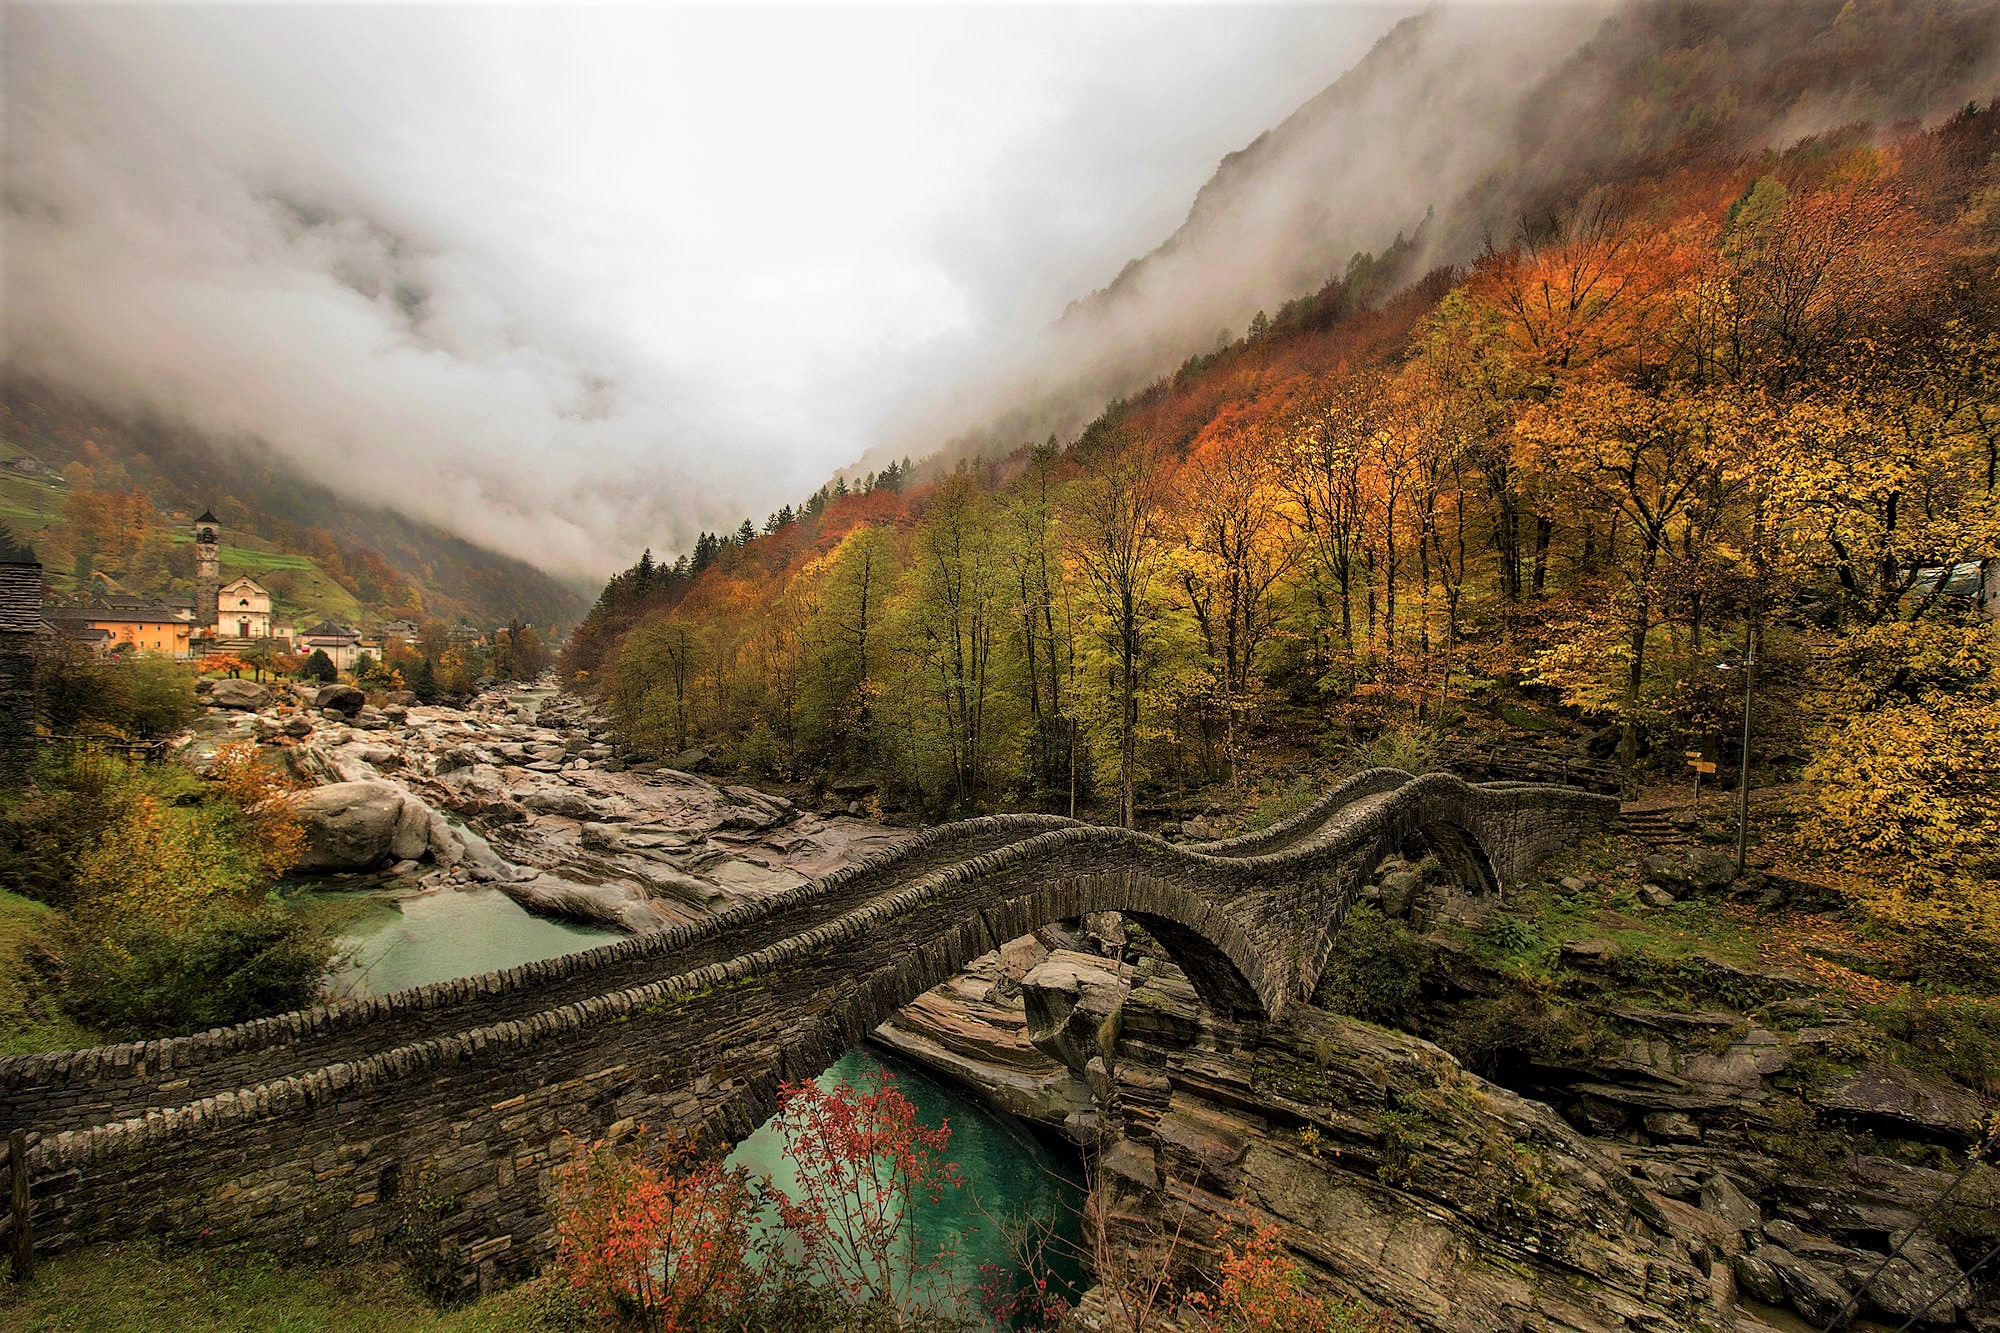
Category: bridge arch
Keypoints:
(1218, 958)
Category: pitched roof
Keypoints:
(208, 516)
(21, 599)
(147, 614)
(326, 629)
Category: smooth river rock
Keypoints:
(350, 825)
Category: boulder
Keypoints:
(1903, 1101)
(1071, 1000)
(565, 801)
(694, 761)
(1400, 890)
(399, 698)
(350, 825)
(1808, 1288)
(1600, 744)
(1721, 1197)
(246, 695)
(297, 728)
(1696, 868)
(601, 838)
(1654, 896)
(1587, 953)
(412, 835)
(1910, 1286)
(340, 698)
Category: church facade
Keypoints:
(242, 610)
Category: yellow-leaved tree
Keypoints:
(1902, 794)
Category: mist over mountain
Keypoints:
(377, 552)
(1460, 127)
(567, 281)
(567, 284)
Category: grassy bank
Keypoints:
(144, 1288)
(29, 1019)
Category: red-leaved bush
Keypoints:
(656, 1234)
(864, 1160)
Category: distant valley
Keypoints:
(105, 499)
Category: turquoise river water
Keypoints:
(395, 939)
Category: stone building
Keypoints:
(341, 644)
(242, 610)
(207, 568)
(148, 627)
(22, 635)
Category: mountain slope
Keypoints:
(337, 554)
(1462, 126)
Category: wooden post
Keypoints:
(23, 1238)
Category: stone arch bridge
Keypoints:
(331, 1128)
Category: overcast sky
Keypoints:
(577, 279)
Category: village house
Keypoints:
(341, 644)
(140, 626)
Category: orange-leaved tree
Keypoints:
(657, 1234)
(863, 1161)
(1258, 1289)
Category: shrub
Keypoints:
(1376, 969)
(665, 1237)
(1953, 1036)
(164, 883)
(137, 978)
(318, 666)
(1259, 1289)
(758, 752)
(159, 696)
(1413, 749)
(1522, 1024)
(659, 1235)
(863, 1160)
(1282, 804)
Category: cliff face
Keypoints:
(1706, 1143)
(1723, 1183)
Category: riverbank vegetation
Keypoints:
(142, 899)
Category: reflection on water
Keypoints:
(392, 939)
(1010, 1176)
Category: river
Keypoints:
(393, 939)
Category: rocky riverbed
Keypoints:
(531, 797)
(527, 792)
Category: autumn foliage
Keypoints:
(1714, 396)
(664, 1236)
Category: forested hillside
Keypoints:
(1747, 394)
(125, 475)
(1465, 120)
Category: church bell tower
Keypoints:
(207, 567)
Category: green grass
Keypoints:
(248, 557)
(143, 1288)
(1526, 941)
(313, 595)
(32, 507)
(29, 1020)
(29, 506)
